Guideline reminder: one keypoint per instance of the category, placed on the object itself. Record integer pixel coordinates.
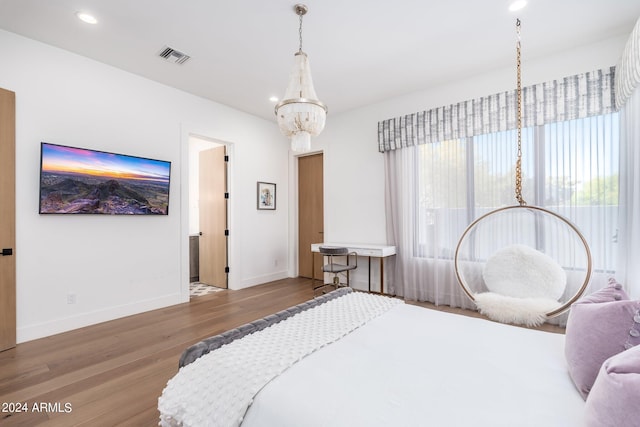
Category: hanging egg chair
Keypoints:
(522, 264)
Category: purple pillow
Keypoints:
(599, 326)
(614, 399)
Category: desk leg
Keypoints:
(382, 275)
(369, 271)
(313, 270)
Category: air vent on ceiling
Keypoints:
(173, 55)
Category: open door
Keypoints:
(7, 219)
(213, 217)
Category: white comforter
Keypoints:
(417, 367)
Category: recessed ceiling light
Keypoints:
(517, 5)
(86, 17)
(273, 99)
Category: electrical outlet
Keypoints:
(71, 298)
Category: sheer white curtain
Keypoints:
(628, 268)
(627, 84)
(435, 190)
(414, 276)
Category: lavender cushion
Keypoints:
(614, 399)
(599, 326)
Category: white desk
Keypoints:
(376, 251)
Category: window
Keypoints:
(570, 168)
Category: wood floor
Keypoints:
(112, 373)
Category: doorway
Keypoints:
(310, 213)
(7, 219)
(208, 210)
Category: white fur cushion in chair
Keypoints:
(523, 272)
(524, 285)
(517, 311)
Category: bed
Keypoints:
(357, 359)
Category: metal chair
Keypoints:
(335, 268)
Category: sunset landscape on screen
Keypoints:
(78, 180)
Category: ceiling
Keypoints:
(361, 51)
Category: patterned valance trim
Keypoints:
(628, 68)
(573, 97)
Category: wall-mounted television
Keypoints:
(84, 181)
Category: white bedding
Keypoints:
(418, 367)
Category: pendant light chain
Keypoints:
(300, 32)
(519, 197)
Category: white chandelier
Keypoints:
(300, 114)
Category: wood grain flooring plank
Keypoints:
(112, 373)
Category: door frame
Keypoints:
(186, 132)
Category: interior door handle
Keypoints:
(7, 251)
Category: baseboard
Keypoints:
(41, 330)
(259, 280)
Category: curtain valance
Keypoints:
(628, 69)
(574, 97)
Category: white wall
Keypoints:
(120, 265)
(354, 169)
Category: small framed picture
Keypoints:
(266, 196)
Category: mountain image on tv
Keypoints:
(82, 181)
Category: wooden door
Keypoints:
(213, 217)
(310, 212)
(7, 219)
